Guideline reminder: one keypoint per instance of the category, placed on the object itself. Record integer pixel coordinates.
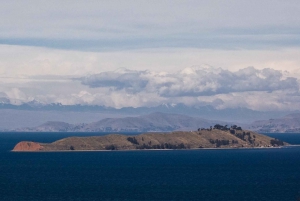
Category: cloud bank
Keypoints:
(193, 82)
(259, 89)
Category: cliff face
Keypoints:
(175, 140)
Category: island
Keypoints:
(214, 137)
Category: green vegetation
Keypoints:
(163, 146)
(132, 140)
(232, 129)
(219, 142)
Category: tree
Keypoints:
(218, 126)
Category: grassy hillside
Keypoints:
(203, 138)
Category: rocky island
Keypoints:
(213, 137)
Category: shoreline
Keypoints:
(127, 132)
(231, 148)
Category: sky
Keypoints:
(227, 54)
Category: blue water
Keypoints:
(235, 175)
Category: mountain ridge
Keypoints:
(145, 123)
(158, 121)
(241, 115)
(287, 124)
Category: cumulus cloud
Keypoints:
(258, 89)
(193, 81)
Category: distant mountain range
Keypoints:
(287, 124)
(145, 123)
(165, 122)
(60, 117)
(243, 115)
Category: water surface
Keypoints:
(237, 174)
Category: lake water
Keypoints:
(212, 175)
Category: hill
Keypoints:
(205, 138)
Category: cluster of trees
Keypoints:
(222, 142)
(223, 128)
(132, 140)
(235, 127)
(276, 142)
(245, 136)
(220, 127)
(207, 129)
(162, 146)
(219, 142)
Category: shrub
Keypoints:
(132, 140)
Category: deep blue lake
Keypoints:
(212, 175)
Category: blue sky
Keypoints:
(48, 47)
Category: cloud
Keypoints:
(265, 89)
(45, 75)
(193, 81)
(20, 61)
(118, 80)
(98, 26)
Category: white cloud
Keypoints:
(44, 75)
(193, 81)
(21, 62)
(16, 96)
(265, 89)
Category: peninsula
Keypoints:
(213, 137)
